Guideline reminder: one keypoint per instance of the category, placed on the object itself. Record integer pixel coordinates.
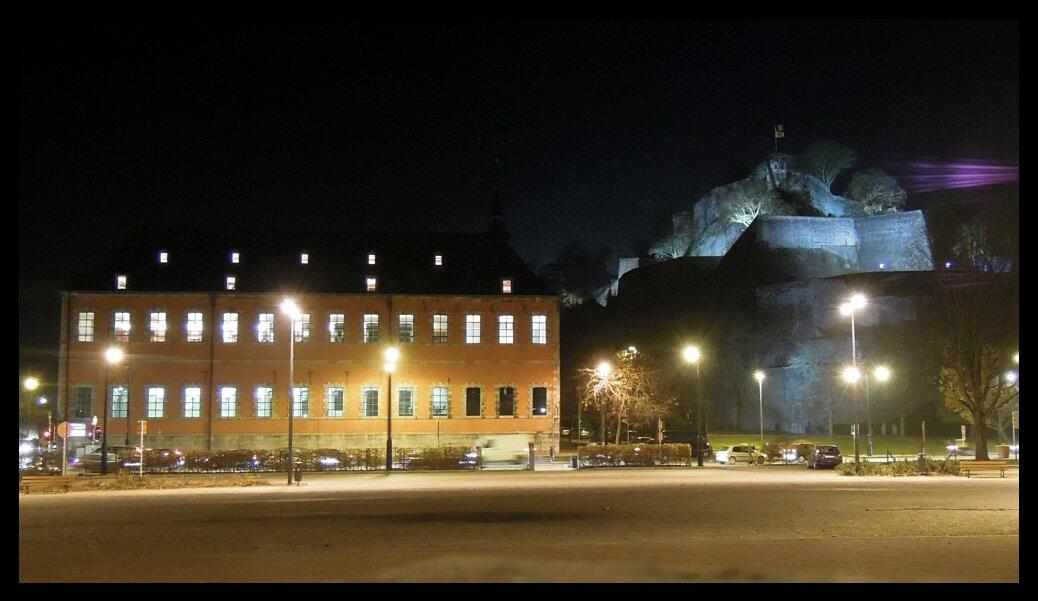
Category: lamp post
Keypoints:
(391, 356)
(692, 355)
(31, 384)
(604, 369)
(113, 355)
(851, 375)
(759, 376)
(289, 308)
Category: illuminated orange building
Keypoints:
(207, 347)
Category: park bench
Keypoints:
(30, 483)
(975, 467)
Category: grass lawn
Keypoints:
(908, 445)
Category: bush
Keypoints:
(908, 467)
(434, 458)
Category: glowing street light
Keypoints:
(113, 356)
(692, 355)
(604, 369)
(882, 373)
(759, 376)
(1010, 377)
(31, 383)
(851, 375)
(856, 303)
(391, 355)
(289, 308)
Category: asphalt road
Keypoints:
(713, 524)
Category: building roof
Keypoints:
(270, 261)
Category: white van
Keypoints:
(513, 448)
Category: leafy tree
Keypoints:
(980, 338)
(750, 199)
(877, 191)
(827, 159)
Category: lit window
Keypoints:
(228, 401)
(120, 282)
(337, 327)
(122, 327)
(157, 325)
(406, 329)
(235, 257)
(439, 329)
(304, 258)
(156, 401)
(264, 401)
(473, 402)
(371, 258)
(405, 402)
(335, 402)
(192, 401)
(539, 329)
(370, 283)
(472, 327)
(85, 326)
(265, 328)
(230, 327)
(300, 401)
(370, 401)
(301, 327)
(440, 405)
(195, 326)
(540, 401)
(84, 400)
(371, 327)
(163, 257)
(506, 401)
(506, 286)
(505, 329)
(438, 260)
(120, 401)
(231, 282)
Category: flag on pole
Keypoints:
(779, 133)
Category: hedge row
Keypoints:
(635, 455)
(255, 460)
(908, 467)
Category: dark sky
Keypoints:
(595, 130)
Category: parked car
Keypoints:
(644, 440)
(799, 453)
(743, 453)
(91, 462)
(513, 448)
(824, 455)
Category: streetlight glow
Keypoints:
(604, 369)
(1011, 377)
(691, 354)
(31, 383)
(43, 400)
(389, 367)
(851, 375)
(882, 373)
(846, 309)
(391, 354)
(1016, 358)
(858, 301)
(114, 355)
(758, 375)
(288, 307)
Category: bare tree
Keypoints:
(635, 391)
(979, 341)
(749, 200)
(672, 246)
(877, 191)
(827, 159)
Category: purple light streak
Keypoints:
(925, 176)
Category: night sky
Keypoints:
(594, 130)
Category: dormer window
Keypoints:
(232, 282)
(438, 260)
(304, 258)
(506, 286)
(120, 282)
(371, 283)
(235, 257)
(371, 258)
(163, 257)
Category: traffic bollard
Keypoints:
(299, 472)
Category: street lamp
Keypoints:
(31, 384)
(851, 375)
(856, 302)
(759, 376)
(391, 356)
(113, 355)
(289, 308)
(692, 355)
(604, 369)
